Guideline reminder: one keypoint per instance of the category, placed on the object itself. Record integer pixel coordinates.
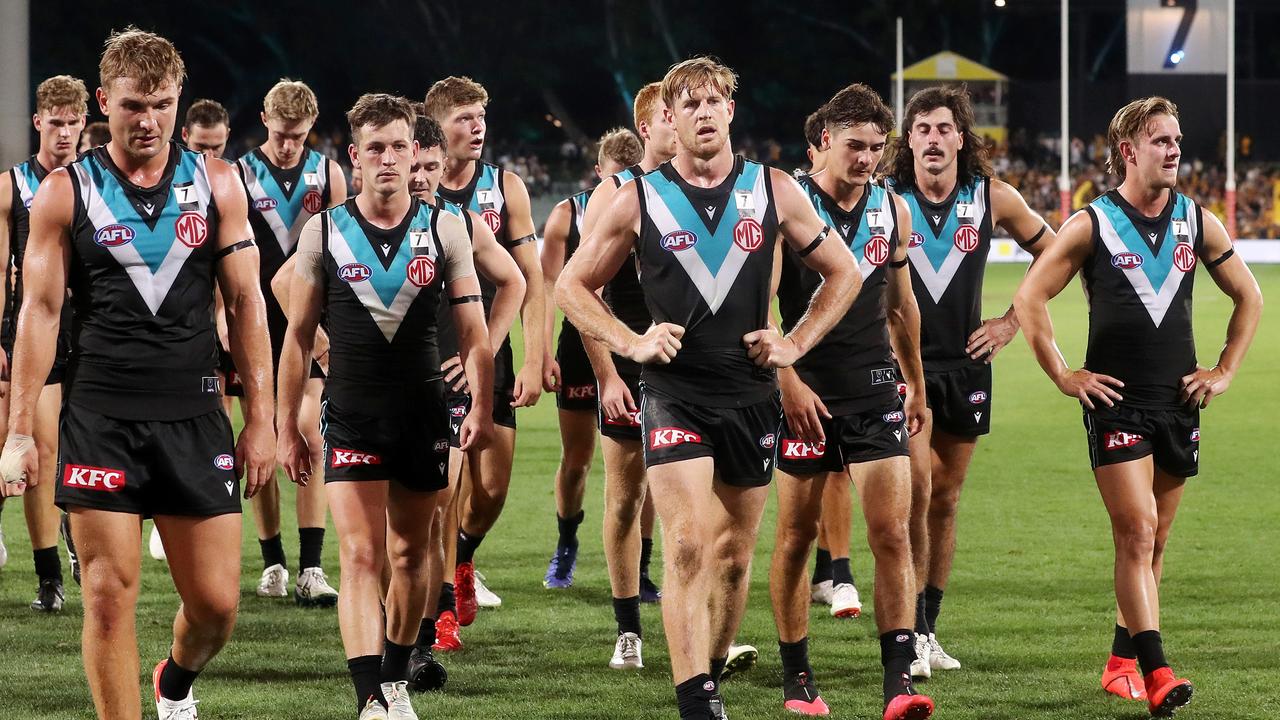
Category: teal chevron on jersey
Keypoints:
(713, 243)
(451, 208)
(288, 204)
(877, 210)
(938, 246)
(28, 181)
(1156, 277)
(386, 280)
(1155, 265)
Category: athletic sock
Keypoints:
(1150, 651)
(1122, 644)
(272, 551)
(365, 675)
(310, 545)
(395, 661)
(467, 545)
(717, 669)
(568, 528)
(932, 606)
(48, 564)
(897, 652)
(841, 571)
(795, 656)
(448, 602)
(693, 696)
(175, 682)
(426, 634)
(646, 552)
(922, 623)
(626, 611)
(821, 565)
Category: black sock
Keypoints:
(627, 612)
(646, 552)
(821, 565)
(717, 669)
(448, 602)
(932, 606)
(1150, 651)
(568, 528)
(897, 651)
(693, 696)
(1122, 645)
(272, 551)
(841, 572)
(310, 544)
(467, 545)
(365, 671)
(426, 633)
(175, 682)
(795, 656)
(395, 661)
(922, 623)
(49, 565)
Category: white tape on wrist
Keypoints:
(13, 460)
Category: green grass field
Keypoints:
(1029, 609)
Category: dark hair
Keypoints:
(98, 133)
(972, 158)
(206, 113)
(813, 128)
(857, 105)
(428, 133)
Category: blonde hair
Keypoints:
(646, 103)
(453, 92)
(695, 73)
(1129, 121)
(621, 146)
(62, 91)
(291, 101)
(146, 58)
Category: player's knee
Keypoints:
(213, 612)
(110, 596)
(408, 558)
(361, 556)
(1136, 539)
(943, 499)
(795, 539)
(574, 470)
(684, 559)
(889, 538)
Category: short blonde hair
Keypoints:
(144, 57)
(62, 92)
(646, 103)
(695, 73)
(621, 146)
(453, 92)
(1131, 120)
(291, 101)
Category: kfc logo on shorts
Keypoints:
(799, 450)
(224, 462)
(264, 204)
(767, 442)
(1195, 435)
(630, 420)
(579, 392)
(312, 202)
(670, 437)
(87, 477)
(678, 240)
(442, 446)
(894, 417)
(1117, 439)
(966, 238)
(977, 398)
(349, 458)
(748, 234)
(354, 272)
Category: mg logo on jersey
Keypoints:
(670, 437)
(579, 392)
(493, 219)
(349, 458)
(1184, 256)
(421, 271)
(1117, 439)
(916, 240)
(354, 272)
(678, 240)
(1126, 261)
(312, 202)
(966, 238)
(224, 462)
(264, 204)
(767, 442)
(192, 229)
(894, 417)
(87, 477)
(877, 250)
(977, 398)
(113, 236)
(1195, 435)
(748, 234)
(800, 450)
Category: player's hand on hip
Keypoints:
(550, 374)
(455, 377)
(1088, 386)
(294, 455)
(19, 465)
(769, 349)
(476, 431)
(804, 411)
(1203, 385)
(528, 387)
(990, 338)
(615, 399)
(658, 345)
(256, 456)
(916, 409)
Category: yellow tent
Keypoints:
(988, 88)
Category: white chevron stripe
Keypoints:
(937, 281)
(387, 318)
(286, 237)
(1156, 302)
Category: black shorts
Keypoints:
(742, 441)
(459, 404)
(628, 429)
(1125, 432)
(857, 438)
(410, 448)
(504, 375)
(960, 399)
(577, 378)
(146, 467)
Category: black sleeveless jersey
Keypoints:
(1138, 281)
(851, 368)
(623, 294)
(706, 261)
(141, 280)
(448, 333)
(25, 178)
(484, 196)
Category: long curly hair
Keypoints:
(973, 158)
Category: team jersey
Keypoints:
(851, 368)
(280, 203)
(623, 293)
(141, 279)
(706, 260)
(25, 178)
(444, 317)
(1138, 281)
(948, 251)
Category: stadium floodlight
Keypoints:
(1000, 3)
(1176, 56)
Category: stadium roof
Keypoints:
(947, 65)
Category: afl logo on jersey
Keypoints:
(264, 204)
(768, 441)
(192, 229)
(1184, 257)
(966, 238)
(977, 398)
(353, 272)
(1126, 261)
(493, 219)
(877, 250)
(678, 240)
(224, 462)
(312, 202)
(421, 271)
(916, 240)
(113, 236)
(748, 234)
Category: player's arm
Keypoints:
(1045, 279)
(904, 321)
(597, 260)
(555, 238)
(6, 258)
(237, 277)
(473, 336)
(306, 299)
(615, 397)
(48, 253)
(802, 407)
(807, 235)
(280, 286)
(524, 248)
(337, 184)
(1233, 277)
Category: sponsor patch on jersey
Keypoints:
(893, 417)
(1118, 439)
(421, 271)
(458, 411)
(224, 462)
(191, 229)
(350, 458)
(678, 240)
(311, 179)
(1195, 435)
(748, 234)
(966, 238)
(493, 219)
(745, 201)
(882, 376)
(800, 450)
(579, 392)
(1184, 256)
(441, 446)
(312, 202)
(211, 385)
(419, 239)
(113, 235)
(88, 477)
(902, 389)
(671, 436)
(354, 272)
(1126, 261)
(877, 250)
(916, 240)
(978, 397)
(264, 204)
(767, 442)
